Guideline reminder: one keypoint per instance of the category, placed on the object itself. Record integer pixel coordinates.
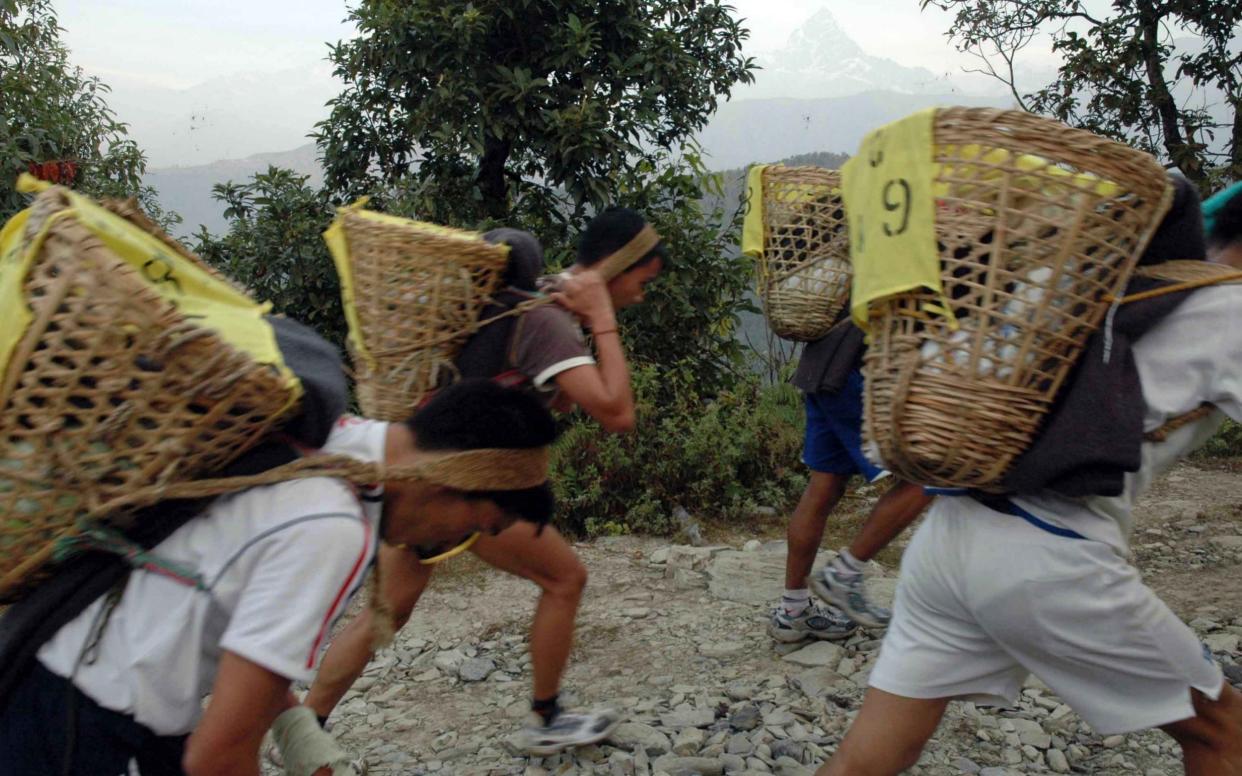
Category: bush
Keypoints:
(719, 458)
(1225, 443)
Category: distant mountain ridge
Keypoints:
(187, 190)
(831, 94)
(749, 131)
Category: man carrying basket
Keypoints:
(239, 600)
(829, 376)
(542, 351)
(1041, 583)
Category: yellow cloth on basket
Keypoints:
(891, 209)
(196, 293)
(752, 221)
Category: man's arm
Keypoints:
(245, 699)
(603, 390)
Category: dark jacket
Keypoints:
(486, 353)
(827, 362)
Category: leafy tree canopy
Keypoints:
(54, 119)
(1140, 71)
(484, 108)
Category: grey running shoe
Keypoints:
(845, 591)
(567, 729)
(816, 622)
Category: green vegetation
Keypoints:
(719, 457)
(1139, 71)
(55, 121)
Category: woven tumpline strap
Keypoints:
(470, 470)
(1173, 424)
(639, 246)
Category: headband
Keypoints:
(639, 246)
(483, 469)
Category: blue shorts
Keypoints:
(834, 432)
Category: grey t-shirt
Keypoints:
(546, 342)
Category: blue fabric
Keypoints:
(1006, 506)
(35, 720)
(833, 442)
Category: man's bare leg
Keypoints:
(1211, 741)
(403, 580)
(887, 737)
(892, 514)
(842, 583)
(547, 560)
(806, 527)
(795, 618)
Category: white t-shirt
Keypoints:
(280, 563)
(1193, 355)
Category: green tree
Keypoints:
(1121, 71)
(54, 114)
(536, 113)
(273, 247)
(491, 108)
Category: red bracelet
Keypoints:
(613, 330)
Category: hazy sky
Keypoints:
(178, 43)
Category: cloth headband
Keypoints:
(483, 469)
(639, 246)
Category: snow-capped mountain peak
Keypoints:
(821, 60)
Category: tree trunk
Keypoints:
(1235, 148)
(1187, 159)
(492, 177)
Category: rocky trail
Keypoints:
(674, 637)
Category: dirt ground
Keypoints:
(668, 630)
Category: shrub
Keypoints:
(719, 458)
(1225, 443)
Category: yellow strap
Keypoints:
(450, 553)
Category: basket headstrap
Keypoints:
(484, 469)
(639, 246)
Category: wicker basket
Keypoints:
(412, 291)
(108, 391)
(1038, 226)
(803, 269)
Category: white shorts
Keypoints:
(984, 598)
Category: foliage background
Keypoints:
(51, 111)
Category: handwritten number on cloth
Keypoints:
(897, 198)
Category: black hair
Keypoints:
(478, 414)
(1180, 234)
(1227, 224)
(609, 232)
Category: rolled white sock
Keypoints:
(795, 602)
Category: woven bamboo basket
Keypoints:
(110, 390)
(1038, 227)
(803, 270)
(413, 291)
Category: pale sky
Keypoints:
(179, 43)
